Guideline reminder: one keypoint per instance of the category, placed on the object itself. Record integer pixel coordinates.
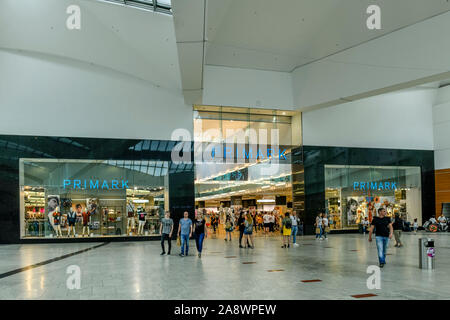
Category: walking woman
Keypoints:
(248, 232)
(286, 225)
(200, 233)
(318, 225)
(228, 228)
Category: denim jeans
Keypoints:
(294, 234)
(184, 241)
(382, 244)
(199, 241)
(319, 235)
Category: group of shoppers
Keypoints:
(245, 224)
(322, 226)
(290, 226)
(186, 228)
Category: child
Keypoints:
(415, 225)
(228, 228)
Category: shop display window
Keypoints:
(354, 193)
(91, 198)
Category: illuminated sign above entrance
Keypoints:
(384, 185)
(95, 184)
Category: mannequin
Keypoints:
(130, 220)
(57, 223)
(72, 219)
(86, 217)
(141, 216)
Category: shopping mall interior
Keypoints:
(289, 131)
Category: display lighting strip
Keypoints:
(242, 192)
(236, 184)
(288, 151)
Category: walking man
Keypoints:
(185, 231)
(294, 229)
(383, 232)
(165, 230)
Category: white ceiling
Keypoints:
(132, 41)
(282, 35)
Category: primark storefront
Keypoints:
(86, 189)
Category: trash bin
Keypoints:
(427, 253)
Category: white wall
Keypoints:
(412, 53)
(400, 120)
(247, 88)
(46, 95)
(441, 126)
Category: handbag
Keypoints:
(179, 241)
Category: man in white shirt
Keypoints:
(294, 228)
(266, 219)
(325, 226)
(365, 224)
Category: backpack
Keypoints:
(288, 224)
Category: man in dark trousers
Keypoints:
(383, 232)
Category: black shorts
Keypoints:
(266, 225)
(71, 223)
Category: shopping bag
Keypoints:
(317, 230)
(179, 241)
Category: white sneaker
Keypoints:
(296, 244)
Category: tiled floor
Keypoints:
(135, 270)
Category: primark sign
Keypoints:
(96, 184)
(367, 186)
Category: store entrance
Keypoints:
(267, 199)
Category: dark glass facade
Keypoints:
(25, 159)
(316, 158)
(308, 167)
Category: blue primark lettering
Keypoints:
(95, 184)
(374, 185)
(114, 184)
(282, 155)
(249, 154)
(66, 183)
(259, 155)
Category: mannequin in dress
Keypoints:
(86, 217)
(57, 222)
(141, 217)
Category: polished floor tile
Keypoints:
(135, 270)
